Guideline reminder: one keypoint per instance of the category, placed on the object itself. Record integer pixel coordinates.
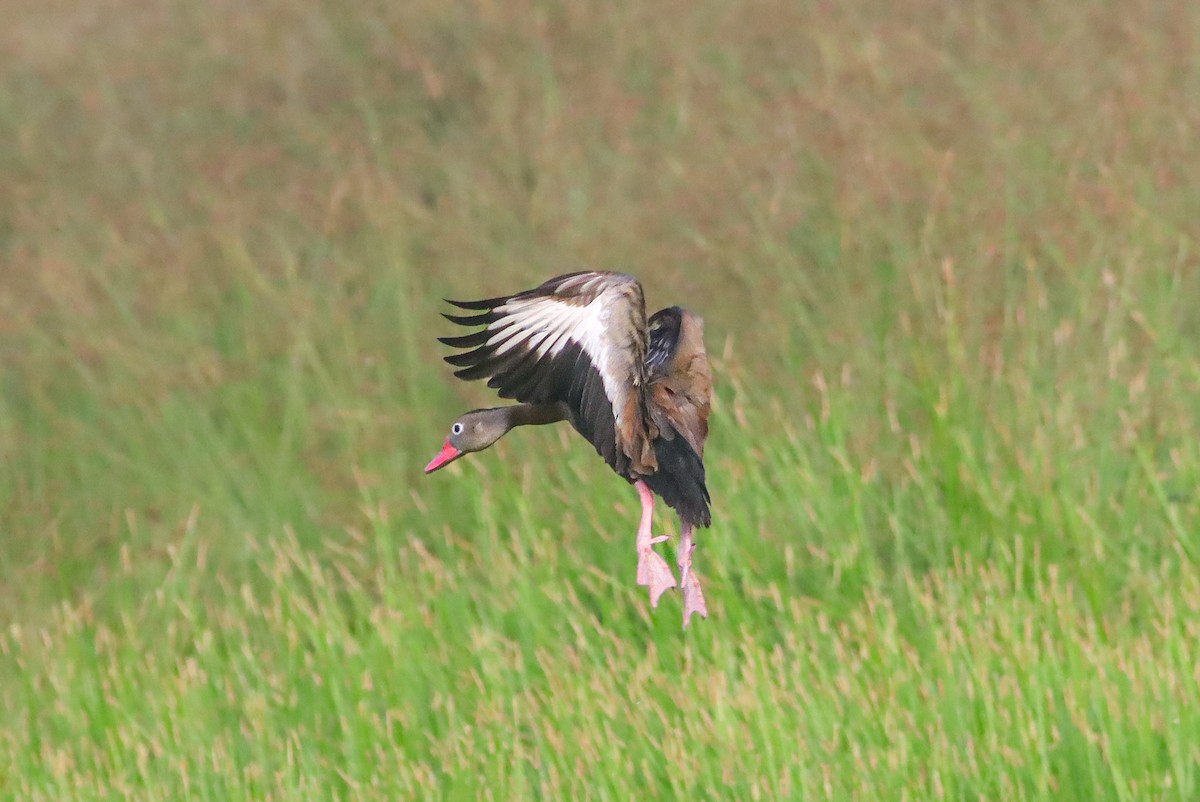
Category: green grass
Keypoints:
(948, 260)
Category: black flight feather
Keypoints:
(473, 320)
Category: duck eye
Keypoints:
(457, 428)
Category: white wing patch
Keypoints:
(544, 326)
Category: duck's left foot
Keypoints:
(693, 596)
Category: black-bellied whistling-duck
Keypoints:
(579, 348)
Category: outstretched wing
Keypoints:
(578, 339)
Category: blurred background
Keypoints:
(947, 257)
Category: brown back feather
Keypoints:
(681, 388)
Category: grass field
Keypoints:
(949, 260)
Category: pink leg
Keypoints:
(693, 597)
(652, 569)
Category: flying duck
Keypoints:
(579, 348)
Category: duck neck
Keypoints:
(534, 414)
